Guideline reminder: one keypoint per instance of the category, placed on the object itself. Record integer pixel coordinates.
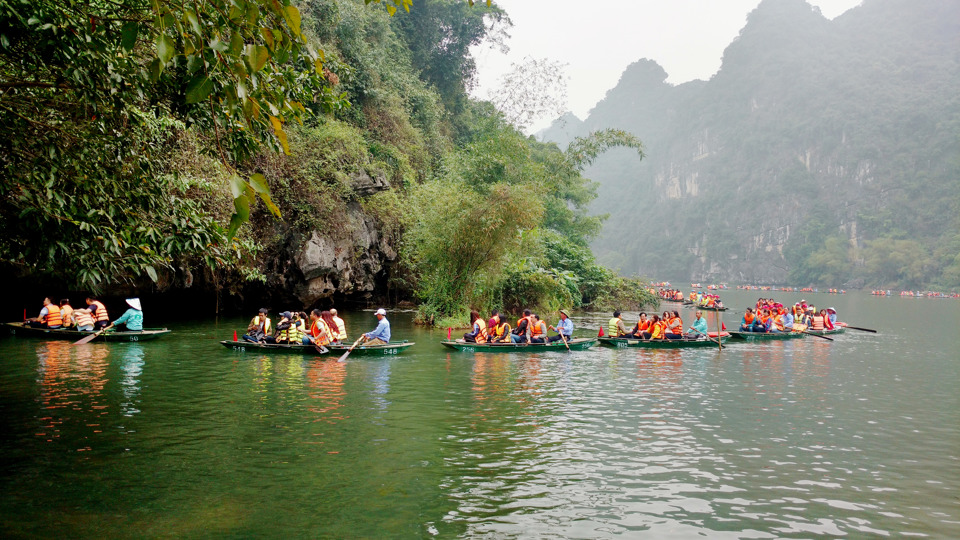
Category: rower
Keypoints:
(699, 327)
(381, 334)
(564, 328)
(132, 318)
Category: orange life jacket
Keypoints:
(678, 329)
(538, 329)
(101, 313)
(53, 316)
(748, 318)
(482, 334)
(82, 318)
(643, 326)
(817, 323)
(778, 322)
(320, 330)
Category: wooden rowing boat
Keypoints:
(685, 343)
(576, 344)
(705, 308)
(837, 330)
(390, 349)
(147, 334)
(765, 336)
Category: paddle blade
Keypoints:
(88, 339)
(345, 355)
(861, 329)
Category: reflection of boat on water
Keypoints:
(390, 349)
(20, 329)
(576, 344)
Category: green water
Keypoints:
(859, 437)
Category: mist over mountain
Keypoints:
(822, 152)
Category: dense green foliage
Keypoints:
(822, 152)
(138, 137)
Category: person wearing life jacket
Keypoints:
(538, 330)
(318, 332)
(657, 329)
(500, 333)
(817, 322)
(100, 317)
(479, 332)
(285, 328)
(643, 325)
(521, 332)
(746, 323)
(616, 325)
(493, 322)
(66, 313)
(84, 319)
(341, 328)
(132, 318)
(564, 328)
(259, 328)
(49, 316)
(827, 325)
(674, 329)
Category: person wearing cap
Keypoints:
(132, 318)
(564, 328)
(341, 328)
(259, 328)
(284, 327)
(381, 334)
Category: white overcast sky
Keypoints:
(600, 38)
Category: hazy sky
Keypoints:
(600, 38)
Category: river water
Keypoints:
(859, 437)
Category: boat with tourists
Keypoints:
(389, 349)
(575, 344)
(23, 330)
(685, 343)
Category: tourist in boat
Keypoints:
(817, 321)
(259, 328)
(284, 325)
(66, 313)
(320, 332)
(132, 318)
(49, 316)
(381, 334)
(500, 333)
(521, 332)
(339, 328)
(827, 325)
(100, 317)
(746, 323)
(832, 314)
(616, 325)
(564, 328)
(643, 324)
(699, 326)
(479, 332)
(493, 323)
(538, 330)
(674, 328)
(657, 329)
(84, 319)
(787, 320)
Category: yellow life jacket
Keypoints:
(614, 327)
(482, 334)
(341, 328)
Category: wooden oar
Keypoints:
(346, 354)
(91, 337)
(564, 338)
(861, 329)
(816, 335)
(320, 348)
(717, 341)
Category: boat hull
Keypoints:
(827, 332)
(391, 349)
(576, 344)
(765, 336)
(623, 343)
(18, 329)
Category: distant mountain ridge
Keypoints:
(822, 152)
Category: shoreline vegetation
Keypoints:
(309, 153)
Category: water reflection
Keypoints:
(71, 381)
(131, 368)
